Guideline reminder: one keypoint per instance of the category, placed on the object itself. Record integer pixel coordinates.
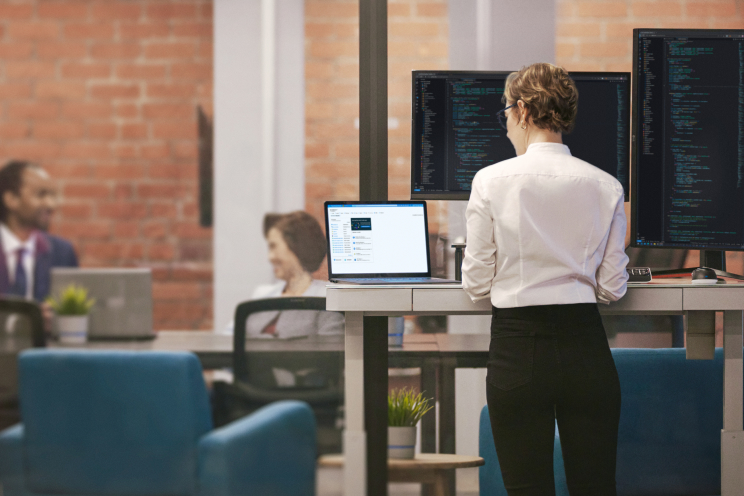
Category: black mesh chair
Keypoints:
(21, 327)
(317, 376)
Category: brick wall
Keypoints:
(417, 39)
(104, 94)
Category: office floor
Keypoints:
(330, 483)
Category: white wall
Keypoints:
(498, 35)
(241, 171)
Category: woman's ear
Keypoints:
(524, 113)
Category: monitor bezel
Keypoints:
(332, 275)
(465, 195)
(635, 131)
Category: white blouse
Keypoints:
(545, 228)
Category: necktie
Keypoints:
(20, 283)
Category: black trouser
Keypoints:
(546, 363)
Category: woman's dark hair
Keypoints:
(11, 179)
(303, 236)
(548, 93)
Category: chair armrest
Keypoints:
(271, 452)
(11, 461)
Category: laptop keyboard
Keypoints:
(391, 279)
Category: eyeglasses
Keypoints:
(502, 116)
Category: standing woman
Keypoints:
(546, 238)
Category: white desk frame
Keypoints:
(697, 303)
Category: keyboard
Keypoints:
(638, 274)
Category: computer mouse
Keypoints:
(704, 275)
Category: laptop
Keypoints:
(123, 307)
(379, 243)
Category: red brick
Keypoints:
(20, 50)
(398, 10)
(86, 230)
(133, 131)
(333, 49)
(144, 30)
(182, 310)
(413, 29)
(168, 111)
(192, 230)
(164, 210)
(175, 90)
(183, 50)
(32, 150)
(29, 70)
(316, 150)
(711, 9)
(61, 50)
(191, 71)
(113, 251)
(85, 71)
(431, 9)
(123, 192)
(59, 89)
(127, 110)
(159, 191)
(75, 210)
(176, 290)
(111, 91)
(127, 151)
(206, 11)
(62, 9)
(87, 31)
(564, 50)
(171, 11)
(174, 130)
(578, 29)
(205, 50)
(16, 11)
(331, 10)
(141, 71)
(156, 151)
(67, 170)
(173, 171)
(38, 30)
(196, 251)
(192, 274)
(101, 130)
(186, 150)
(13, 130)
(155, 229)
(193, 29)
(122, 210)
(85, 110)
(120, 171)
(14, 91)
(116, 50)
(609, 49)
(58, 130)
(160, 251)
(115, 10)
(656, 9)
(85, 150)
(87, 190)
(124, 230)
(601, 9)
(35, 110)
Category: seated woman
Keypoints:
(297, 247)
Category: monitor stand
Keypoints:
(713, 259)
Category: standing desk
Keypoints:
(366, 360)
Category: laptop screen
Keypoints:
(377, 239)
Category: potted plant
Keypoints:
(71, 314)
(405, 409)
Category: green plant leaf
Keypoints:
(72, 301)
(405, 407)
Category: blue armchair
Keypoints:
(139, 423)
(669, 441)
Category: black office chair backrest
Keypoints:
(21, 327)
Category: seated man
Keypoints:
(27, 201)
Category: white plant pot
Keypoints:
(401, 442)
(71, 329)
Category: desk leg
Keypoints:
(732, 435)
(700, 327)
(375, 402)
(355, 438)
(446, 397)
(429, 422)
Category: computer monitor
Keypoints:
(688, 139)
(455, 132)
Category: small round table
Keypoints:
(427, 468)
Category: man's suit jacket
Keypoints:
(51, 251)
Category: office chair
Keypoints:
(21, 327)
(135, 423)
(319, 374)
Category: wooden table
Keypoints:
(433, 469)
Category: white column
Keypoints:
(354, 437)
